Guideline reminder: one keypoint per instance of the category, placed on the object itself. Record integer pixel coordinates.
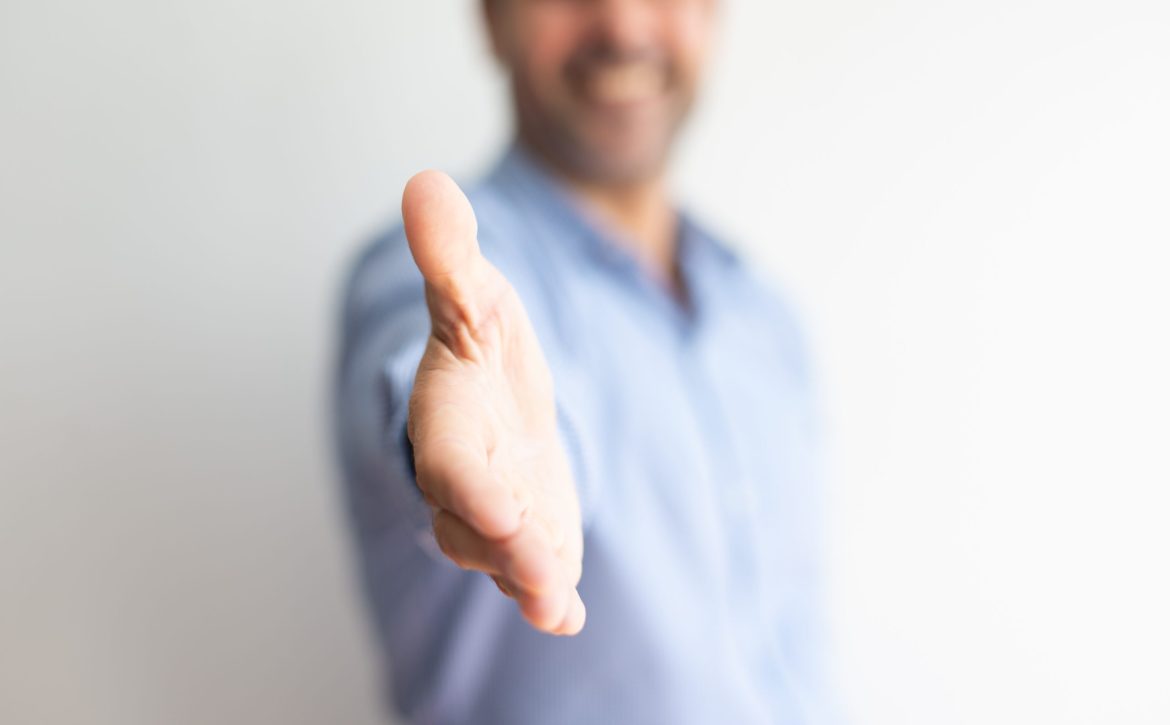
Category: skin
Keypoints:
(600, 89)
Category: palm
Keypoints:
(483, 423)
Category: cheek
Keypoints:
(689, 34)
(545, 41)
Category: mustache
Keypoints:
(601, 54)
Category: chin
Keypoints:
(622, 160)
(623, 170)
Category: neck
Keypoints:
(640, 210)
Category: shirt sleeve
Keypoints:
(385, 326)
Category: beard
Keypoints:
(611, 117)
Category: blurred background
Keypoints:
(969, 201)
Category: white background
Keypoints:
(968, 201)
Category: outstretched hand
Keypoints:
(482, 420)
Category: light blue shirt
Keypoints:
(691, 432)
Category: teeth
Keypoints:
(625, 83)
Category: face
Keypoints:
(601, 87)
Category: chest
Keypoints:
(712, 425)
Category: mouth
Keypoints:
(621, 84)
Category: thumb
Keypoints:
(440, 228)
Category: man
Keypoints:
(593, 408)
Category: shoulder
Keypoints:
(380, 275)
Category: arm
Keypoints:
(463, 377)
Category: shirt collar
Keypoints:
(520, 170)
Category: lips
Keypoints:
(620, 84)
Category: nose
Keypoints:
(626, 24)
